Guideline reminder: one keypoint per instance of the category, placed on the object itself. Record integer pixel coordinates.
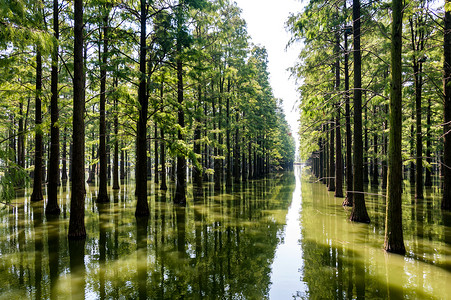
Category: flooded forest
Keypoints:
(143, 154)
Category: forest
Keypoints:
(157, 90)
(375, 101)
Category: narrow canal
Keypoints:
(283, 237)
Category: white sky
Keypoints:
(266, 25)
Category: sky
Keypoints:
(266, 26)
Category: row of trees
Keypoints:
(392, 97)
(191, 93)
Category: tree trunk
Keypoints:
(394, 241)
(102, 197)
(366, 150)
(338, 157)
(122, 166)
(157, 177)
(446, 167)
(197, 171)
(375, 173)
(331, 173)
(116, 185)
(163, 185)
(359, 212)
(52, 207)
(180, 188)
(37, 178)
(428, 175)
(77, 205)
(64, 169)
(236, 154)
(142, 207)
(229, 149)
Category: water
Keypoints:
(280, 238)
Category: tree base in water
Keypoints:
(52, 210)
(102, 198)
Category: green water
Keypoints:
(283, 237)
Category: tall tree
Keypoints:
(338, 158)
(37, 177)
(180, 188)
(142, 206)
(359, 213)
(52, 207)
(102, 197)
(446, 197)
(77, 204)
(394, 241)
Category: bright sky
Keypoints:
(266, 25)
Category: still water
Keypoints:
(284, 237)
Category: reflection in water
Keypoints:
(270, 238)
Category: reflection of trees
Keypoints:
(77, 268)
(219, 246)
(222, 246)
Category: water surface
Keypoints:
(283, 237)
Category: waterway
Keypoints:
(283, 237)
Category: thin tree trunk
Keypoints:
(157, 177)
(428, 175)
(52, 207)
(180, 188)
(102, 197)
(116, 185)
(163, 185)
(375, 173)
(122, 166)
(446, 166)
(77, 205)
(37, 178)
(394, 241)
(229, 149)
(338, 157)
(64, 169)
(236, 154)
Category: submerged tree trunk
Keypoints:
(116, 144)
(142, 207)
(52, 207)
(446, 167)
(102, 197)
(37, 177)
(77, 204)
(331, 174)
(157, 177)
(180, 188)
(163, 185)
(394, 241)
(338, 157)
(359, 212)
(428, 175)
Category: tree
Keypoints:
(37, 179)
(102, 197)
(446, 200)
(142, 207)
(359, 213)
(394, 241)
(77, 205)
(52, 207)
